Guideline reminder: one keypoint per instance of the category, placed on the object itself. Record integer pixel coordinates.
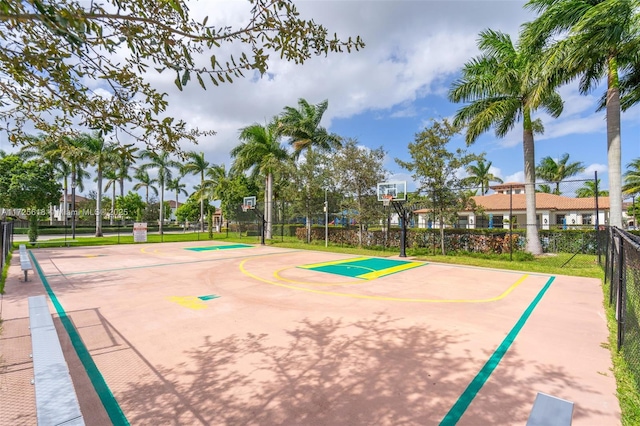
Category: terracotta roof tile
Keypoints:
(543, 202)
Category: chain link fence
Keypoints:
(568, 214)
(6, 240)
(493, 222)
(620, 257)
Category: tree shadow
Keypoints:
(332, 372)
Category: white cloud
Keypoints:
(495, 171)
(516, 177)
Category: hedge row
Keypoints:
(468, 240)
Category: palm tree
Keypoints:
(601, 41)
(216, 186)
(145, 181)
(551, 170)
(112, 178)
(302, 125)
(75, 152)
(126, 157)
(589, 190)
(179, 188)
(100, 154)
(480, 175)
(196, 164)
(544, 188)
(261, 152)
(162, 163)
(632, 178)
(502, 88)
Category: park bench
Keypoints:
(550, 411)
(56, 400)
(25, 263)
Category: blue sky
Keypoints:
(391, 89)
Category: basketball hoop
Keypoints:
(386, 200)
(245, 208)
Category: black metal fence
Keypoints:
(620, 257)
(6, 239)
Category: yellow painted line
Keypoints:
(191, 302)
(386, 298)
(155, 251)
(355, 281)
(333, 262)
(380, 273)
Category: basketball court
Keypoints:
(213, 333)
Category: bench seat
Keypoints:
(56, 400)
(25, 262)
(550, 411)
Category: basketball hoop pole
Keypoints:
(262, 220)
(403, 214)
(249, 203)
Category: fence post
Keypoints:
(611, 265)
(620, 308)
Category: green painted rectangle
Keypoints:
(208, 297)
(356, 268)
(221, 247)
(345, 269)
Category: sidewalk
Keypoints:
(17, 393)
(16, 367)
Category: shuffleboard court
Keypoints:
(264, 336)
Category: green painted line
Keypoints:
(109, 402)
(463, 402)
(221, 247)
(208, 297)
(156, 265)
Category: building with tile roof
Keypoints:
(508, 204)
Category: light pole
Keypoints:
(73, 206)
(326, 220)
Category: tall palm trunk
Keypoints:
(308, 194)
(113, 204)
(533, 241)
(177, 194)
(161, 208)
(65, 200)
(122, 195)
(614, 145)
(98, 211)
(201, 203)
(269, 206)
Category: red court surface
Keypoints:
(245, 336)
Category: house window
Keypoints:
(497, 221)
(482, 222)
(560, 219)
(587, 219)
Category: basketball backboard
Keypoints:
(249, 202)
(397, 190)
